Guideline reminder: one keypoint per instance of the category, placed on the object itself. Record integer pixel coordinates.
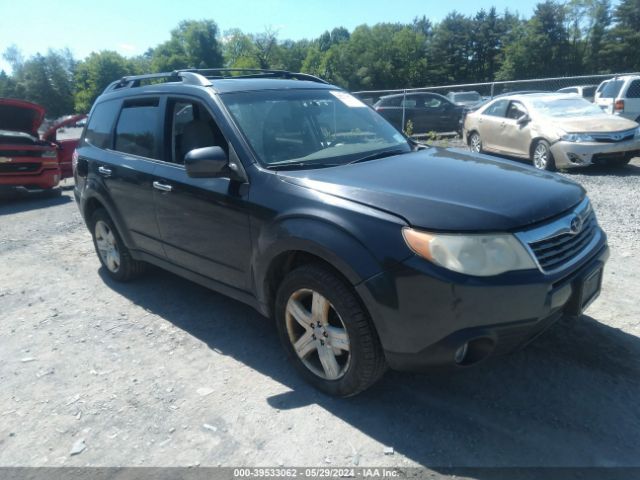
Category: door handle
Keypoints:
(162, 186)
(104, 171)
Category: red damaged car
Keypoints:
(28, 163)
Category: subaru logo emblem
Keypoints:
(576, 225)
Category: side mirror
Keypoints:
(207, 162)
(523, 120)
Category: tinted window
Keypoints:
(409, 103)
(192, 127)
(137, 129)
(100, 124)
(634, 89)
(612, 89)
(497, 109)
(588, 91)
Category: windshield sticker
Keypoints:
(347, 99)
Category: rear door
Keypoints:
(125, 163)
(204, 221)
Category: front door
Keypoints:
(516, 136)
(203, 221)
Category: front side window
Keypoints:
(100, 124)
(516, 110)
(137, 128)
(191, 127)
(311, 127)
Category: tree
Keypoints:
(622, 41)
(193, 44)
(95, 73)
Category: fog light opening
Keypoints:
(461, 353)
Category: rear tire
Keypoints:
(541, 156)
(114, 256)
(326, 333)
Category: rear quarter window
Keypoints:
(137, 129)
(101, 123)
(612, 89)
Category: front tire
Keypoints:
(475, 143)
(112, 252)
(542, 157)
(326, 333)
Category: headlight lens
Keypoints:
(637, 132)
(477, 255)
(577, 137)
(49, 154)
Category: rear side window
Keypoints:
(391, 102)
(137, 129)
(634, 89)
(612, 89)
(100, 124)
(498, 109)
(588, 91)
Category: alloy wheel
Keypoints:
(107, 246)
(318, 334)
(476, 143)
(541, 157)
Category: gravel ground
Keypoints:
(163, 372)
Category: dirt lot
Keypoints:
(164, 372)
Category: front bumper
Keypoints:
(573, 154)
(424, 314)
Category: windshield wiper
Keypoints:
(375, 156)
(300, 165)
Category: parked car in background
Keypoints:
(465, 99)
(554, 130)
(596, 96)
(621, 96)
(65, 134)
(30, 162)
(366, 248)
(27, 163)
(427, 112)
(585, 91)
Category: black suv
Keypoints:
(369, 250)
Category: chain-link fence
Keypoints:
(421, 115)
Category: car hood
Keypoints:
(20, 116)
(595, 123)
(448, 190)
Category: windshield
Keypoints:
(566, 107)
(311, 127)
(466, 97)
(612, 89)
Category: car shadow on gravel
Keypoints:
(568, 399)
(24, 203)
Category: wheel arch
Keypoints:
(93, 201)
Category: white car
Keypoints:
(621, 96)
(585, 91)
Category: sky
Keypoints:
(131, 27)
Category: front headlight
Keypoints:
(50, 154)
(637, 135)
(478, 255)
(577, 137)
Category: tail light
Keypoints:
(618, 106)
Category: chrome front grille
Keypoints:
(560, 244)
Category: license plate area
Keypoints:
(587, 289)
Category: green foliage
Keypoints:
(408, 129)
(561, 38)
